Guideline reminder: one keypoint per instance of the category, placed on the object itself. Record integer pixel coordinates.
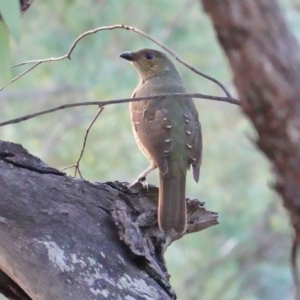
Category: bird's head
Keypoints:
(150, 63)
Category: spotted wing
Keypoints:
(152, 129)
(193, 140)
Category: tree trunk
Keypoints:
(265, 60)
(67, 238)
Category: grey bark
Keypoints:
(67, 238)
(265, 60)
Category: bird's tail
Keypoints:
(172, 204)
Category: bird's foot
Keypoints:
(142, 181)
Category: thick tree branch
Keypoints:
(64, 238)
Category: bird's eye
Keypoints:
(149, 56)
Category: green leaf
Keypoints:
(5, 73)
(10, 12)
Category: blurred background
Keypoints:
(246, 256)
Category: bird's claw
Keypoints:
(142, 181)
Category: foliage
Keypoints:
(4, 54)
(9, 22)
(247, 255)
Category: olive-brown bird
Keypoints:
(167, 131)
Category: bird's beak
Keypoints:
(127, 55)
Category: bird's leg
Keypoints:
(142, 177)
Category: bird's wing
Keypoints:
(152, 127)
(194, 141)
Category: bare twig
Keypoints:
(294, 267)
(68, 167)
(22, 74)
(118, 26)
(105, 103)
(84, 142)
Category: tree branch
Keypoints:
(69, 239)
(265, 60)
(118, 26)
(77, 168)
(118, 101)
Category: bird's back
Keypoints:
(167, 130)
(179, 113)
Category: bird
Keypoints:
(168, 132)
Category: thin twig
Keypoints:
(68, 167)
(79, 172)
(118, 26)
(84, 143)
(181, 60)
(294, 267)
(105, 103)
(22, 74)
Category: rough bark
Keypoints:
(265, 60)
(66, 238)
